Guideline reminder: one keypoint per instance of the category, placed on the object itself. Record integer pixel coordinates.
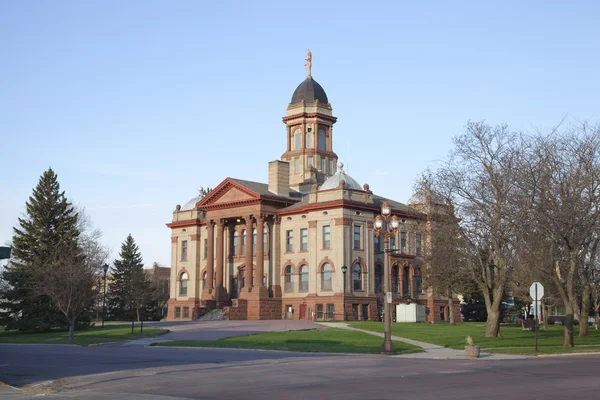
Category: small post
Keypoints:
(142, 321)
(537, 319)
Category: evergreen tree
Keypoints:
(44, 236)
(130, 290)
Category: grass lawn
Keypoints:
(332, 340)
(110, 333)
(514, 340)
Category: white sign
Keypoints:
(388, 296)
(540, 291)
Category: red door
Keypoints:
(302, 311)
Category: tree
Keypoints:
(478, 179)
(562, 188)
(69, 284)
(44, 235)
(445, 260)
(130, 289)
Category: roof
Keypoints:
(263, 189)
(309, 91)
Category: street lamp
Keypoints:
(105, 268)
(344, 270)
(388, 225)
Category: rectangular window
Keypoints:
(326, 236)
(297, 165)
(330, 167)
(392, 242)
(177, 312)
(304, 239)
(186, 312)
(205, 247)
(319, 311)
(376, 244)
(323, 161)
(418, 244)
(442, 316)
(330, 311)
(357, 236)
(184, 250)
(310, 161)
(309, 137)
(289, 241)
(403, 242)
(365, 312)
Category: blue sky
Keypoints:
(136, 104)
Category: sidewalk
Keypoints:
(432, 351)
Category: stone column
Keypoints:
(260, 250)
(210, 255)
(219, 275)
(248, 271)
(276, 256)
(221, 295)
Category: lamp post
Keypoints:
(387, 225)
(344, 270)
(105, 268)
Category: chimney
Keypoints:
(279, 177)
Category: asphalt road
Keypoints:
(131, 372)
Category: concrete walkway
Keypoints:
(432, 351)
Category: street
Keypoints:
(136, 372)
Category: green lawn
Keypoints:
(110, 333)
(514, 337)
(332, 340)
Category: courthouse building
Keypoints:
(276, 250)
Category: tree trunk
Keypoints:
(492, 325)
(450, 311)
(71, 328)
(597, 319)
(569, 326)
(545, 313)
(585, 311)
(137, 314)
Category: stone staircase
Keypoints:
(214, 315)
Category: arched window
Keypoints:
(395, 280)
(304, 278)
(297, 140)
(183, 284)
(204, 280)
(326, 273)
(235, 243)
(321, 140)
(357, 277)
(378, 278)
(309, 141)
(243, 241)
(289, 279)
(405, 277)
(254, 241)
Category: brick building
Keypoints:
(275, 250)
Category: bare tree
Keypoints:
(70, 285)
(563, 188)
(479, 180)
(445, 261)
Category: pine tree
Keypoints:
(130, 290)
(46, 234)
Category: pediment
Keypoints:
(228, 192)
(233, 195)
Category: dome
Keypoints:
(309, 91)
(420, 197)
(191, 204)
(334, 181)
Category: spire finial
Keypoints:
(308, 63)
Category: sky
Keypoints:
(137, 104)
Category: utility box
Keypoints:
(410, 313)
